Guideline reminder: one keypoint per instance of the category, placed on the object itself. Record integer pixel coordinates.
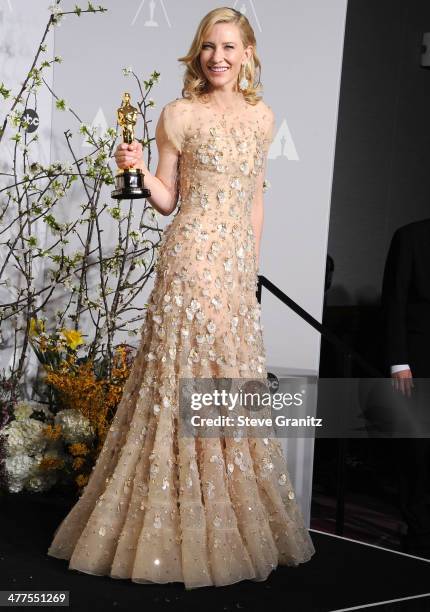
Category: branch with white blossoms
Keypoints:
(85, 282)
(34, 73)
(144, 104)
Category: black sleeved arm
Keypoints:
(395, 291)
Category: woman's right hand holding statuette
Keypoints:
(130, 156)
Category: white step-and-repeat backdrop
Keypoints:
(300, 44)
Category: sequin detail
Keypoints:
(159, 506)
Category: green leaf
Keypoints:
(60, 104)
(4, 92)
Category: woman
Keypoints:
(161, 507)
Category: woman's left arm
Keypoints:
(257, 214)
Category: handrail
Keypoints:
(319, 327)
(348, 353)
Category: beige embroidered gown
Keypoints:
(161, 507)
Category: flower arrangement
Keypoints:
(92, 285)
(32, 459)
(42, 446)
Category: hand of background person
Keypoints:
(403, 381)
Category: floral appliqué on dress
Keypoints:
(160, 507)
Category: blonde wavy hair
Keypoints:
(195, 83)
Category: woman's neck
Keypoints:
(223, 100)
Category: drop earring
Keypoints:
(243, 83)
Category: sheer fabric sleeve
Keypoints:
(269, 128)
(170, 127)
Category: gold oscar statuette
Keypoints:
(128, 182)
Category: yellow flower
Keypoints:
(51, 463)
(78, 462)
(52, 432)
(78, 449)
(73, 338)
(81, 480)
(43, 344)
(36, 326)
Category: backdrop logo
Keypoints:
(152, 14)
(283, 144)
(100, 126)
(30, 119)
(246, 8)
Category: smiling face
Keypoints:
(222, 56)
